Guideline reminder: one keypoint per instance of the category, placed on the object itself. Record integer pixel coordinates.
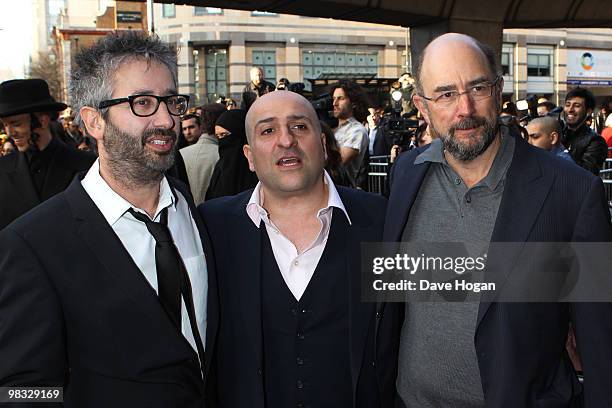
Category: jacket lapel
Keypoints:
(22, 182)
(247, 274)
(101, 240)
(360, 313)
(524, 194)
(401, 200)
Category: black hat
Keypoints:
(27, 96)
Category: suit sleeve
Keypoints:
(32, 332)
(592, 321)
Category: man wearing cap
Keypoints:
(44, 166)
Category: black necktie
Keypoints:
(168, 264)
(172, 277)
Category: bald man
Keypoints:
(479, 182)
(256, 88)
(294, 332)
(545, 132)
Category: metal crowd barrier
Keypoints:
(606, 176)
(377, 174)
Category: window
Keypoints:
(266, 60)
(507, 59)
(539, 62)
(263, 14)
(340, 63)
(216, 73)
(406, 64)
(168, 10)
(196, 75)
(205, 11)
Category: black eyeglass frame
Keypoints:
(130, 99)
(490, 85)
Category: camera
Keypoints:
(400, 130)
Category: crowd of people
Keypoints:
(161, 256)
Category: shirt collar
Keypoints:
(348, 122)
(257, 213)
(112, 205)
(503, 158)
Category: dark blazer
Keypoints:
(17, 189)
(521, 346)
(238, 359)
(75, 311)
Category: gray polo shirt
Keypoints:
(437, 362)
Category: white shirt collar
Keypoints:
(257, 213)
(112, 205)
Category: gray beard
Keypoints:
(464, 152)
(128, 160)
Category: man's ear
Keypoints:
(554, 138)
(500, 91)
(93, 122)
(420, 104)
(246, 149)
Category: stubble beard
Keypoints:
(130, 162)
(579, 121)
(463, 151)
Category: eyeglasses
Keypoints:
(476, 93)
(147, 105)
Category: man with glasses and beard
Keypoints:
(479, 182)
(104, 287)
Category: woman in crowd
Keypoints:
(231, 174)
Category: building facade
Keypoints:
(217, 47)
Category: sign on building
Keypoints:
(589, 67)
(129, 16)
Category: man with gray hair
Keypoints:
(480, 182)
(545, 132)
(104, 286)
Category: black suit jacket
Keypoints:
(238, 359)
(17, 189)
(521, 346)
(75, 311)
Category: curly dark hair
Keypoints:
(359, 99)
(589, 99)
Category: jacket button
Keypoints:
(300, 361)
(301, 336)
(378, 315)
(299, 384)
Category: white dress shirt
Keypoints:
(140, 244)
(372, 139)
(296, 269)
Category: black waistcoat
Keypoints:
(306, 343)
